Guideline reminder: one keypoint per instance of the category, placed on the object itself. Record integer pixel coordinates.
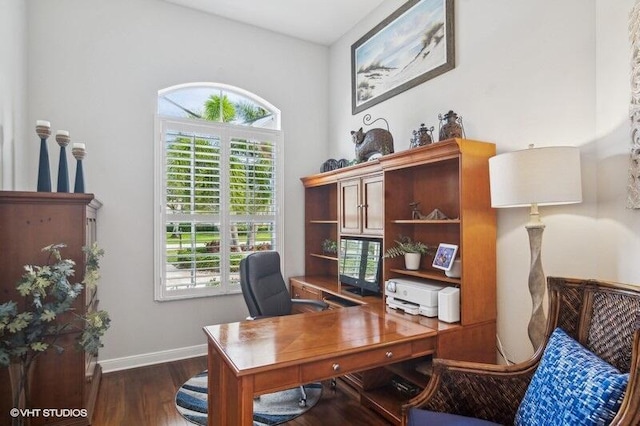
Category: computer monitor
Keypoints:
(360, 264)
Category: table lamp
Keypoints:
(530, 178)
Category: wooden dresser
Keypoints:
(30, 221)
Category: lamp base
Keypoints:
(537, 323)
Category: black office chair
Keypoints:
(265, 291)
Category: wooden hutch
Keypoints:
(373, 199)
(30, 221)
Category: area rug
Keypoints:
(269, 409)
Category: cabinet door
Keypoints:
(373, 205)
(350, 206)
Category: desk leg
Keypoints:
(230, 399)
(214, 382)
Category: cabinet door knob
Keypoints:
(389, 354)
(335, 367)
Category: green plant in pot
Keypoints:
(411, 250)
(34, 325)
(329, 246)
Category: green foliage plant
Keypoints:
(329, 246)
(405, 245)
(34, 325)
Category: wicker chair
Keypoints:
(604, 317)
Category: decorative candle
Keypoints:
(43, 130)
(78, 152)
(63, 139)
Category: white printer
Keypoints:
(415, 297)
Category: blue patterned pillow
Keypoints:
(571, 386)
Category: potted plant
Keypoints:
(329, 246)
(410, 249)
(32, 326)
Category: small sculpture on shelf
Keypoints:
(422, 136)
(451, 126)
(436, 214)
(330, 164)
(333, 164)
(373, 143)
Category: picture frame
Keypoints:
(444, 257)
(414, 44)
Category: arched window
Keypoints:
(217, 187)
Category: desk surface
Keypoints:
(252, 346)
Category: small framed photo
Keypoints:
(445, 256)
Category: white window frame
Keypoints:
(226, 132)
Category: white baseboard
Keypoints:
(127, 362)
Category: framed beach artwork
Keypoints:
(411, 46)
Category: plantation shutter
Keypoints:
(219, 203)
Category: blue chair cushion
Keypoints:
(571, 386)
(418, 417)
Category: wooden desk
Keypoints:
(256, 357)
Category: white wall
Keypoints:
(619, 228)
(94, 69)
(525, 73)
(13, 89)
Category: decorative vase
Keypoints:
(450, 126)
(43, 129)
(422, 136)
(62, 137)
(412, 261)
(20, 379)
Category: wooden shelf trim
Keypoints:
(421, 273)
(438, 151)
(324, 256)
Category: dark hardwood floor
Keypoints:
(145, 397)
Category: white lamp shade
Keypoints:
(543, 176)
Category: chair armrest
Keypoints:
(485, 391)
(319, 304)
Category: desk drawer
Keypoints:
(301, 291)
(349, 363)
